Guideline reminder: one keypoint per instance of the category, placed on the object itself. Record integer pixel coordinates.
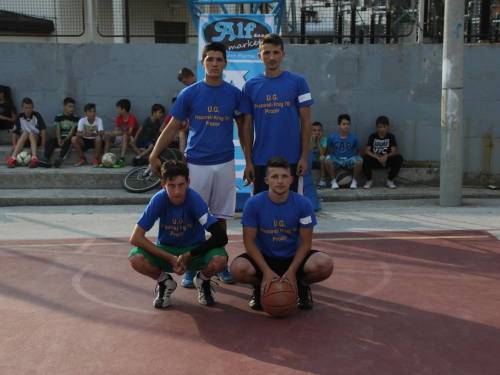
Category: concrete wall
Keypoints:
(402, 82)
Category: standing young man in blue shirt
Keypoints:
(280, 112)
(210, 105)
(277, 235)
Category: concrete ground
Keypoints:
(415, 290)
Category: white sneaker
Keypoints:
(205, 296)
(354, 184)
(164, 288)
(368, 184)
(322, 184)
(334, 185)
(390, 184)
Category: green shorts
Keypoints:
(194, 264)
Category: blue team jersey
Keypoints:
(343, 147)
(278, 223)
(210, 110)
(275, 104)
(180, 225)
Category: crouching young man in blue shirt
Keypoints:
(181, 245)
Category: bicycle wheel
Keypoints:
(140, 180)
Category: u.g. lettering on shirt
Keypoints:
(212, 119)
(273, 105)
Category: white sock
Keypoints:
(203, 277)
(163, 276)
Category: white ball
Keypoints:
(23, 158)
(108, 159)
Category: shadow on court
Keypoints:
(397, 303)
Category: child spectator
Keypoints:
(381, 153)
(66, 124)
(29, 126)
(125, 126)
(344, 152)
(7, 109)
(88, 135)
(146, 135)
(318, 147)
(180, 139)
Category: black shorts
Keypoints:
(27, 143)
(260, 185)
(88, 143)
(280, 266)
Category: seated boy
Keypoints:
(318, 147)
(28, 127)
(277, 234)
(146, 135)
(181, 244)
(88, 135)
(343, 152)
(180, 139)
(125, 129)
(66, 124)
(381, 153)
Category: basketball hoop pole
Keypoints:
(277, 10)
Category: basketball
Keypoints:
(23, 158)
(108, 160)
(343, 178)
(280, 299)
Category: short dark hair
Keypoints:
(344, 117)
(272, 39)
(174, 99)
(214, 46)
(382, 120)
(7, 95)
(185, 73)
(125, 104)
(173, 168)
(27, 101)
(89, 106)
(68, 100)
(317, 123)
(157, 107)
(277, 162)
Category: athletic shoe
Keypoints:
(58, 162)
(304, 301)
(255, 300)
(187, 280)
(135, 161)
(44, 162)
(33, 163)
(225, 277)
(96, 163)
(80, 161)
(101, 165)
(164, 288)
(354, 184)
(143, 161)
(119, 164)
(205, 289)
(368, 184)
(390, 184)
(334, 185)
(322, 184)
(11, 163)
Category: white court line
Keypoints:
(76, 284)
(85, 246)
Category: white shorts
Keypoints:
(217, 186)
(118, 141)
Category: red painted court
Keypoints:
(397, 303)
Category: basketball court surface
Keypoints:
(398, 302)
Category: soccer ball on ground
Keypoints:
(108, 160)
(23, 158)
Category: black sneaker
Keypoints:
(164, 288)
(205, 289)
(255, 300)
(135, 162)
(305, 301)
(58, 162)
(44, 162)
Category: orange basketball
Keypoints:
(280, 299)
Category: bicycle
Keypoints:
(142, 179)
